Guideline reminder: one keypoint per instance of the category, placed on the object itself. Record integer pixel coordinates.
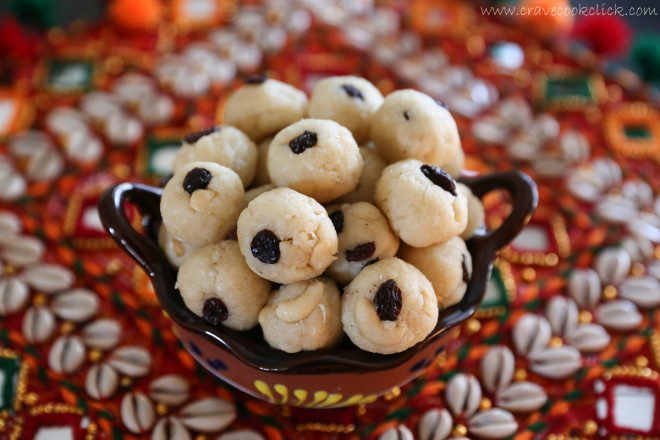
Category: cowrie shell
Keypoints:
(495, 423)
(612, 265)
(137, 413)
(170, 428)
(38, 325)
(556, 362)
(49, 278)
(208, 415)
(562, 314)
(66, 355)
(171, 390)
(642, 291)
(619, 315)
(435, 424)
(77, 305)
(531, 333)
(401, 432)
(14, 295)
(589, 338)
(21, 250)
(616, 209)
(131, 361)
(103, 334)
(497, 368)
(463, 394)
(101, 381)
(522, 397)
(584, 287)
(638, 191)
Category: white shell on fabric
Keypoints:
(103, 334)
(38, 325)
(584, 287)
(619, 315)
(589, 338)
(562, 314)
(608, 170)
(531, 333)
(463, 394)
(435, 424)
(21, 250)
(495, 423)
(101, 382)
(612, 265)
(497, 368)
(137, 413)
(522, 397)
(12, 183)
(638, 191)
(208, 415)
(171, 390)
(556, 362)
(77, 305)
(646, 226)
(616, 209)
(584, 184)
(10, 225)
(66, 355)
(49, 278)
(401, 432)
(132, 361)
(638, 247)
(14, 295)
(171, 428)
(642, 291)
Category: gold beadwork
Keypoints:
(585, 317)
(472, 326)
(610, 292)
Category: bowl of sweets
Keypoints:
(319, 251)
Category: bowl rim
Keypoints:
(345, 358)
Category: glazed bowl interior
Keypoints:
(249, 346)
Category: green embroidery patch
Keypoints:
(9, 374)
(70, 76)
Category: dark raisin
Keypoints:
(352, 91)
(466, 273)
(265, 247)
(306, 140)
(439, 177)
(197, 178)
(194, 137)
(337, 219)
(257, 78)
(406, 114)
(441, 104)
(215, 311)
(361, 252)
(388, 301)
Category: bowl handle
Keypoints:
(524, 196)
(114, 220)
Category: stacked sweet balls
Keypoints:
(336, 183)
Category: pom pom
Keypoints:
(137, 15)
(646, 55)
(540, 18)
(605, 34)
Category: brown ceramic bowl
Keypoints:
(342, 376)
